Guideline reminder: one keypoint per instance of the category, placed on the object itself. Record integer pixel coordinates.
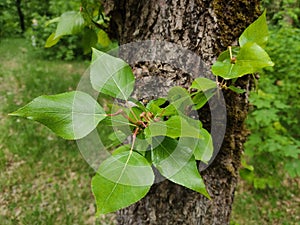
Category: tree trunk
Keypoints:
(21, 15)
(206, 28)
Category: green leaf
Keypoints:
(121, 150)
(292, 166)
(141, 144)
(103, 38)
(134, 114)
(180, 101)
(118, 124)
(256, 32)
(203, 148)
(154, 106)
(121, 180)
(69, 23)
(135, 103)
(203, 84)
(175, 127)
(200, 98)
(236, 89)
(111, 76)
(52, 40)
(245, 165)
(89, 40)
(111, 134)
(54, 20)
(250, 58)
(71, 115)
(206, 89)
(177, 163)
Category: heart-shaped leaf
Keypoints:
(121, 180)
(111, 76)
(176, 162)
(250, 58)
(71, 115)
(256, 32)
(69, 23)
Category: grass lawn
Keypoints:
(278, 206)
(45, 180)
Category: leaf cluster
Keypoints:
(249, 57)
(160, 134)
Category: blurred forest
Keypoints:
(51, 185)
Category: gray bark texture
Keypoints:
(205, 27)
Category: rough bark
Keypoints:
(206, 28)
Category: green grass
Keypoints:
(276, 206)
(44, 179)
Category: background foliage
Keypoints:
(282, 12)
(274, 121)
(69, 47)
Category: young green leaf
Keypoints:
(202, 148)
(201, 98)
(103, 38)
(69, 23)
(237, 90)
(176, 162)
(256, 32)
(54, 20)
(121, 180)
(180, 100)
(154, 106)
(71, 115)
(111, 75)
(203, 84)
(52, 40)
(132, 102)
(176, 126)
(134, 114)
(250, 58)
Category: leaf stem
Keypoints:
(135, 117)
(134, 138)
(230, 52)
(232, 58)
(120, 111)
